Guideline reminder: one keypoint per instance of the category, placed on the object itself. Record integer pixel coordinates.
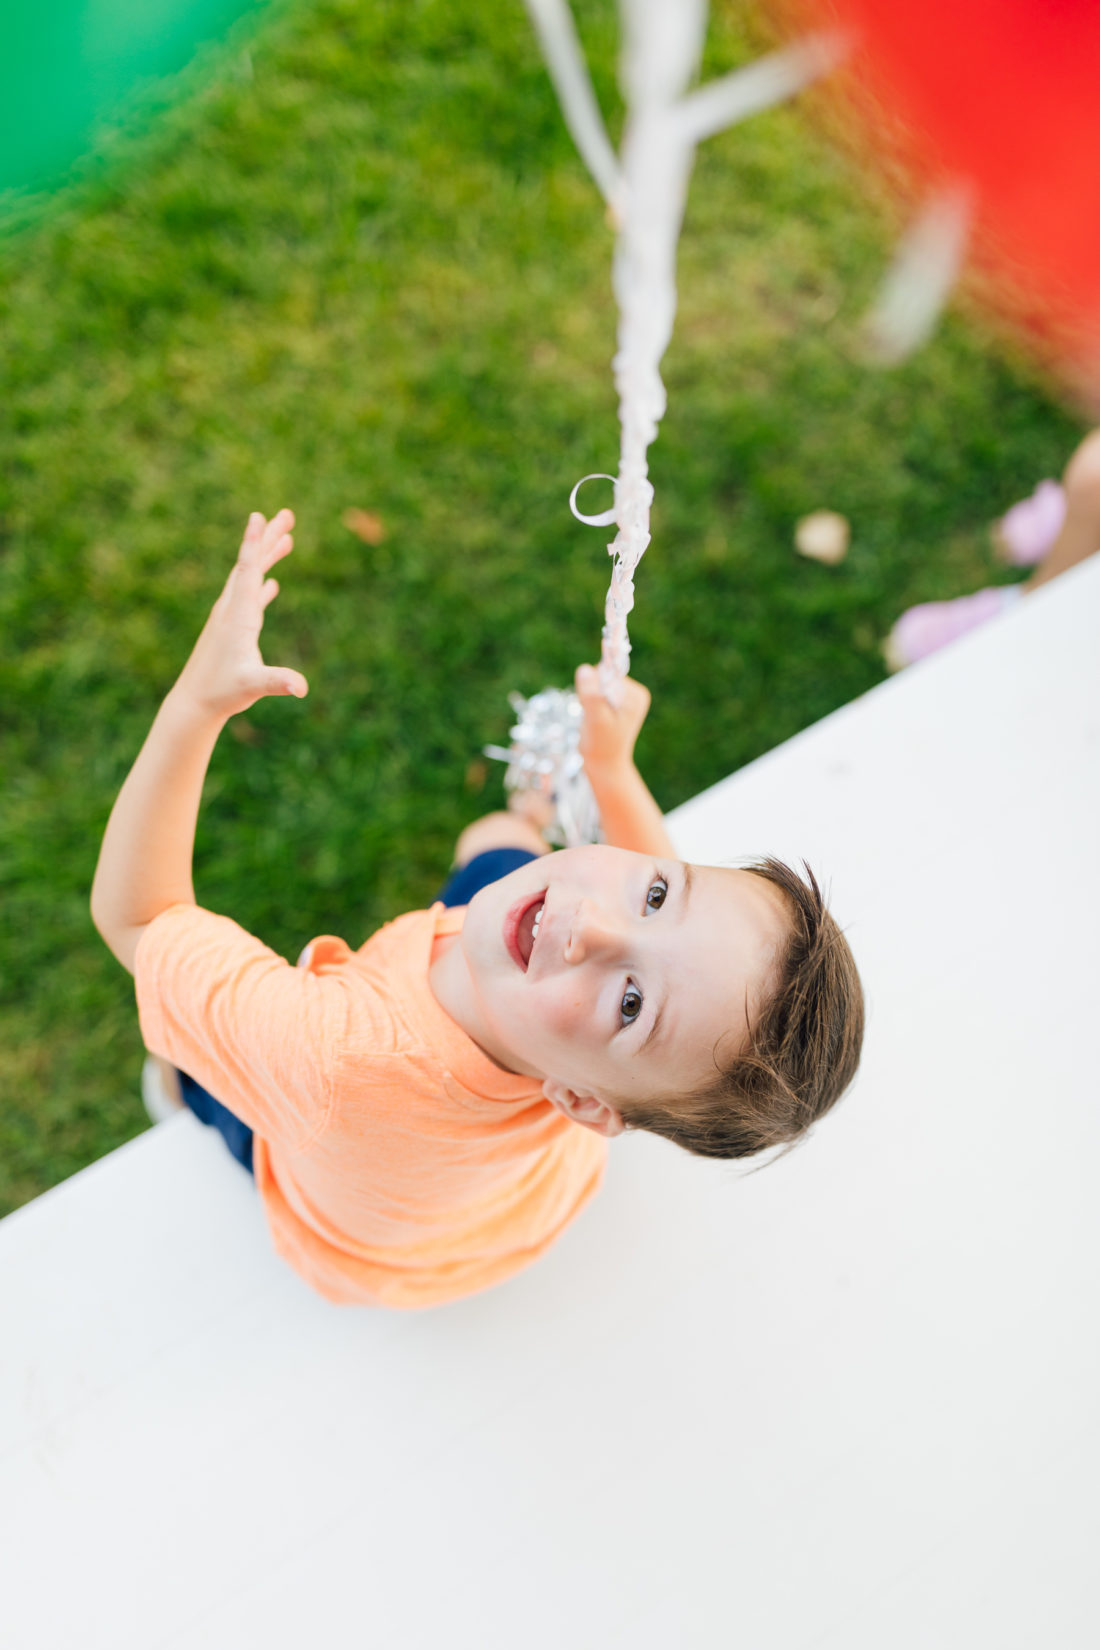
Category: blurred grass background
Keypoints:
(358, 265)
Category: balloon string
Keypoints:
(662, 47)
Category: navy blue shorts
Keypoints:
(459, 889)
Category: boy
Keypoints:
(429, 1112)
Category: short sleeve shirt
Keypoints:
(397, 1164)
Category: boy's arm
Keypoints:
(628, 811)
(145, 861)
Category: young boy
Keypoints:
(426, 1114)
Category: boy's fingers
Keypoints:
(262, 538)
(253, 534)
(282, 547)
(586, 681)
(268, 592)
(278, 680)
(279, 524)
(639, 693)
(636, 696)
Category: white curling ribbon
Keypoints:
(919, 282)
(605, 517)
(554, 26)
(760, 85)
(662, 44)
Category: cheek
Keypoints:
(563, 1009)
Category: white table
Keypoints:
(850, 1403)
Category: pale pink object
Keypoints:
(926, 628)
(1026, 532)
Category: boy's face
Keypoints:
(613, 975)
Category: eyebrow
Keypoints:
(685, 895)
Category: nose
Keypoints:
(594, 932)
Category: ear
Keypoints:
(598, 1115)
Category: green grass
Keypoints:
(360, 265)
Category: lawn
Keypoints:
(359, 266)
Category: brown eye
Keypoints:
(656, 896)
(631, 1005)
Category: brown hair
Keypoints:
(803, 1049)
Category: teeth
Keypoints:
(535, 925)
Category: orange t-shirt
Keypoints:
(397, 1164)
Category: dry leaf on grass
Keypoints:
(365, 525)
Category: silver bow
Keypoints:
(544, 758)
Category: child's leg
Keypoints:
(166, 1091)
(492, 847)
(1080, 534)
(237, 1135)
(504, 829)
(926, 628)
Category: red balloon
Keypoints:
(1005, 94)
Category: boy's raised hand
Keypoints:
(226, 672)
(609, 731)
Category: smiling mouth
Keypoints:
(521, 929)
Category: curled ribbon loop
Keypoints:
(605, 517)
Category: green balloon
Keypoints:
(66, 66)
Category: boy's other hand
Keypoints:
(609, 731)
(226, 672)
